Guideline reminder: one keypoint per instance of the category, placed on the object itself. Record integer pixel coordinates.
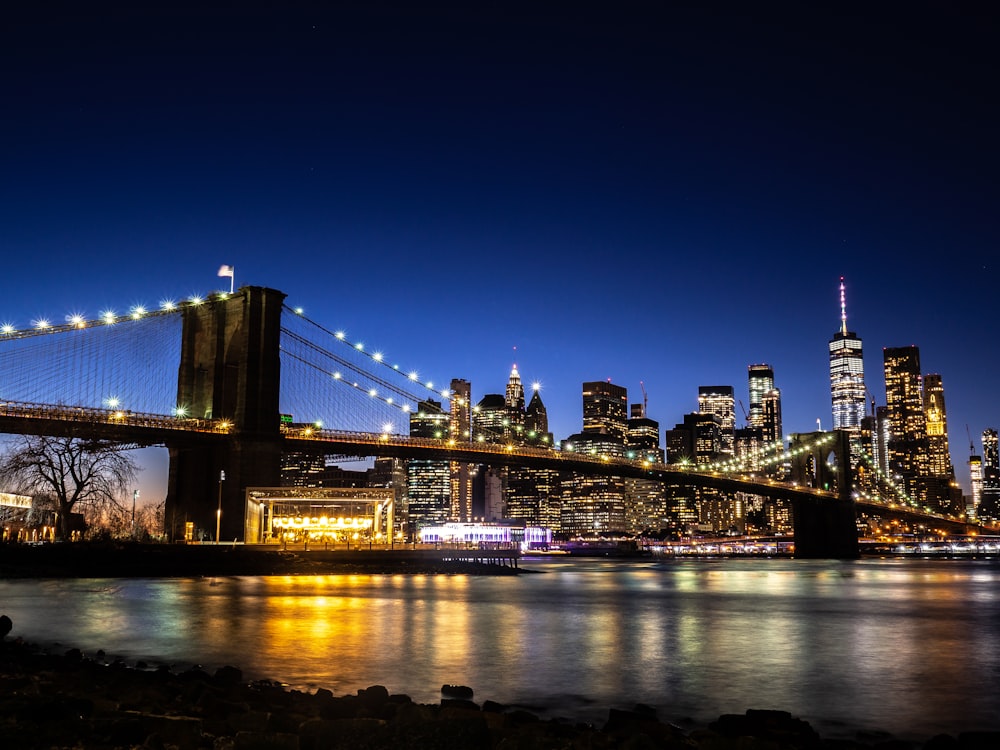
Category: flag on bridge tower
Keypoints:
(230, 272)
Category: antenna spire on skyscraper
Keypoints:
(843, 308)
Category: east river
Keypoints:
(906, 646)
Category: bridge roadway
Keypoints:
(141, 429)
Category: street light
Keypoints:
(218, 513)
(135, 496)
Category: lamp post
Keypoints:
(218, 513)
(135, 496)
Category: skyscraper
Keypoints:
(536, 420)
(847, 376)
(719, 400)
(605, 409)
(429, 482)
(761, 380)
(936, 418)
(514, 401)
(989, 505)
(460, 430)
(534, 495)
(906, 450)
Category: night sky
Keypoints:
(633, 192)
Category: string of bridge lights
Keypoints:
(890, 482)
(108, 317)
(742, 463)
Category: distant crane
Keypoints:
(746, 417)
(972, 445)
(645, 398)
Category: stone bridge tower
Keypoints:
(824, 528)
(229, 369)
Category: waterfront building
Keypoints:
(390, 473)
(593, 504)
(460, 430)
(720, 400)
(847, 379)
(534, 495)
(428, 481)
(605, 409)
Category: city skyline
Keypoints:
(653, 196)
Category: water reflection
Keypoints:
(910, 647)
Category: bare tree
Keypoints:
(74, 472)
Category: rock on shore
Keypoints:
(71, 701)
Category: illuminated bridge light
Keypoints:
(337, 376)
(108, 317)
(406, 407)
(41, 324)
(112, 402)
(373, 392)
(359, 346)
(7, 329)
(76, 320)
(180, 411)
(413, 375)
(299, 311)
(194, 299)
(167, 305)
(138, 311)
(377, 356)
(340, 335)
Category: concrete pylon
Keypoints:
(229, 370)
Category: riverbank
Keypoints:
(73, 700)
(132, 560)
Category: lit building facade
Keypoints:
(720, 400)
(460, 430)
(642, 437)
(936, 419)
(906, 424)
(428, 482)
(593, 503)
(605, 409)
(760, 380)
(534, 496)
(989, 505)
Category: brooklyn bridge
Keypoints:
(209, 379)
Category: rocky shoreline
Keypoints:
(67, 699)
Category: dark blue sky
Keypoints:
(633, 192)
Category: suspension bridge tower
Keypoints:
(229, 370)
(824, 527)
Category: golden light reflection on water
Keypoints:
(858, 642)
